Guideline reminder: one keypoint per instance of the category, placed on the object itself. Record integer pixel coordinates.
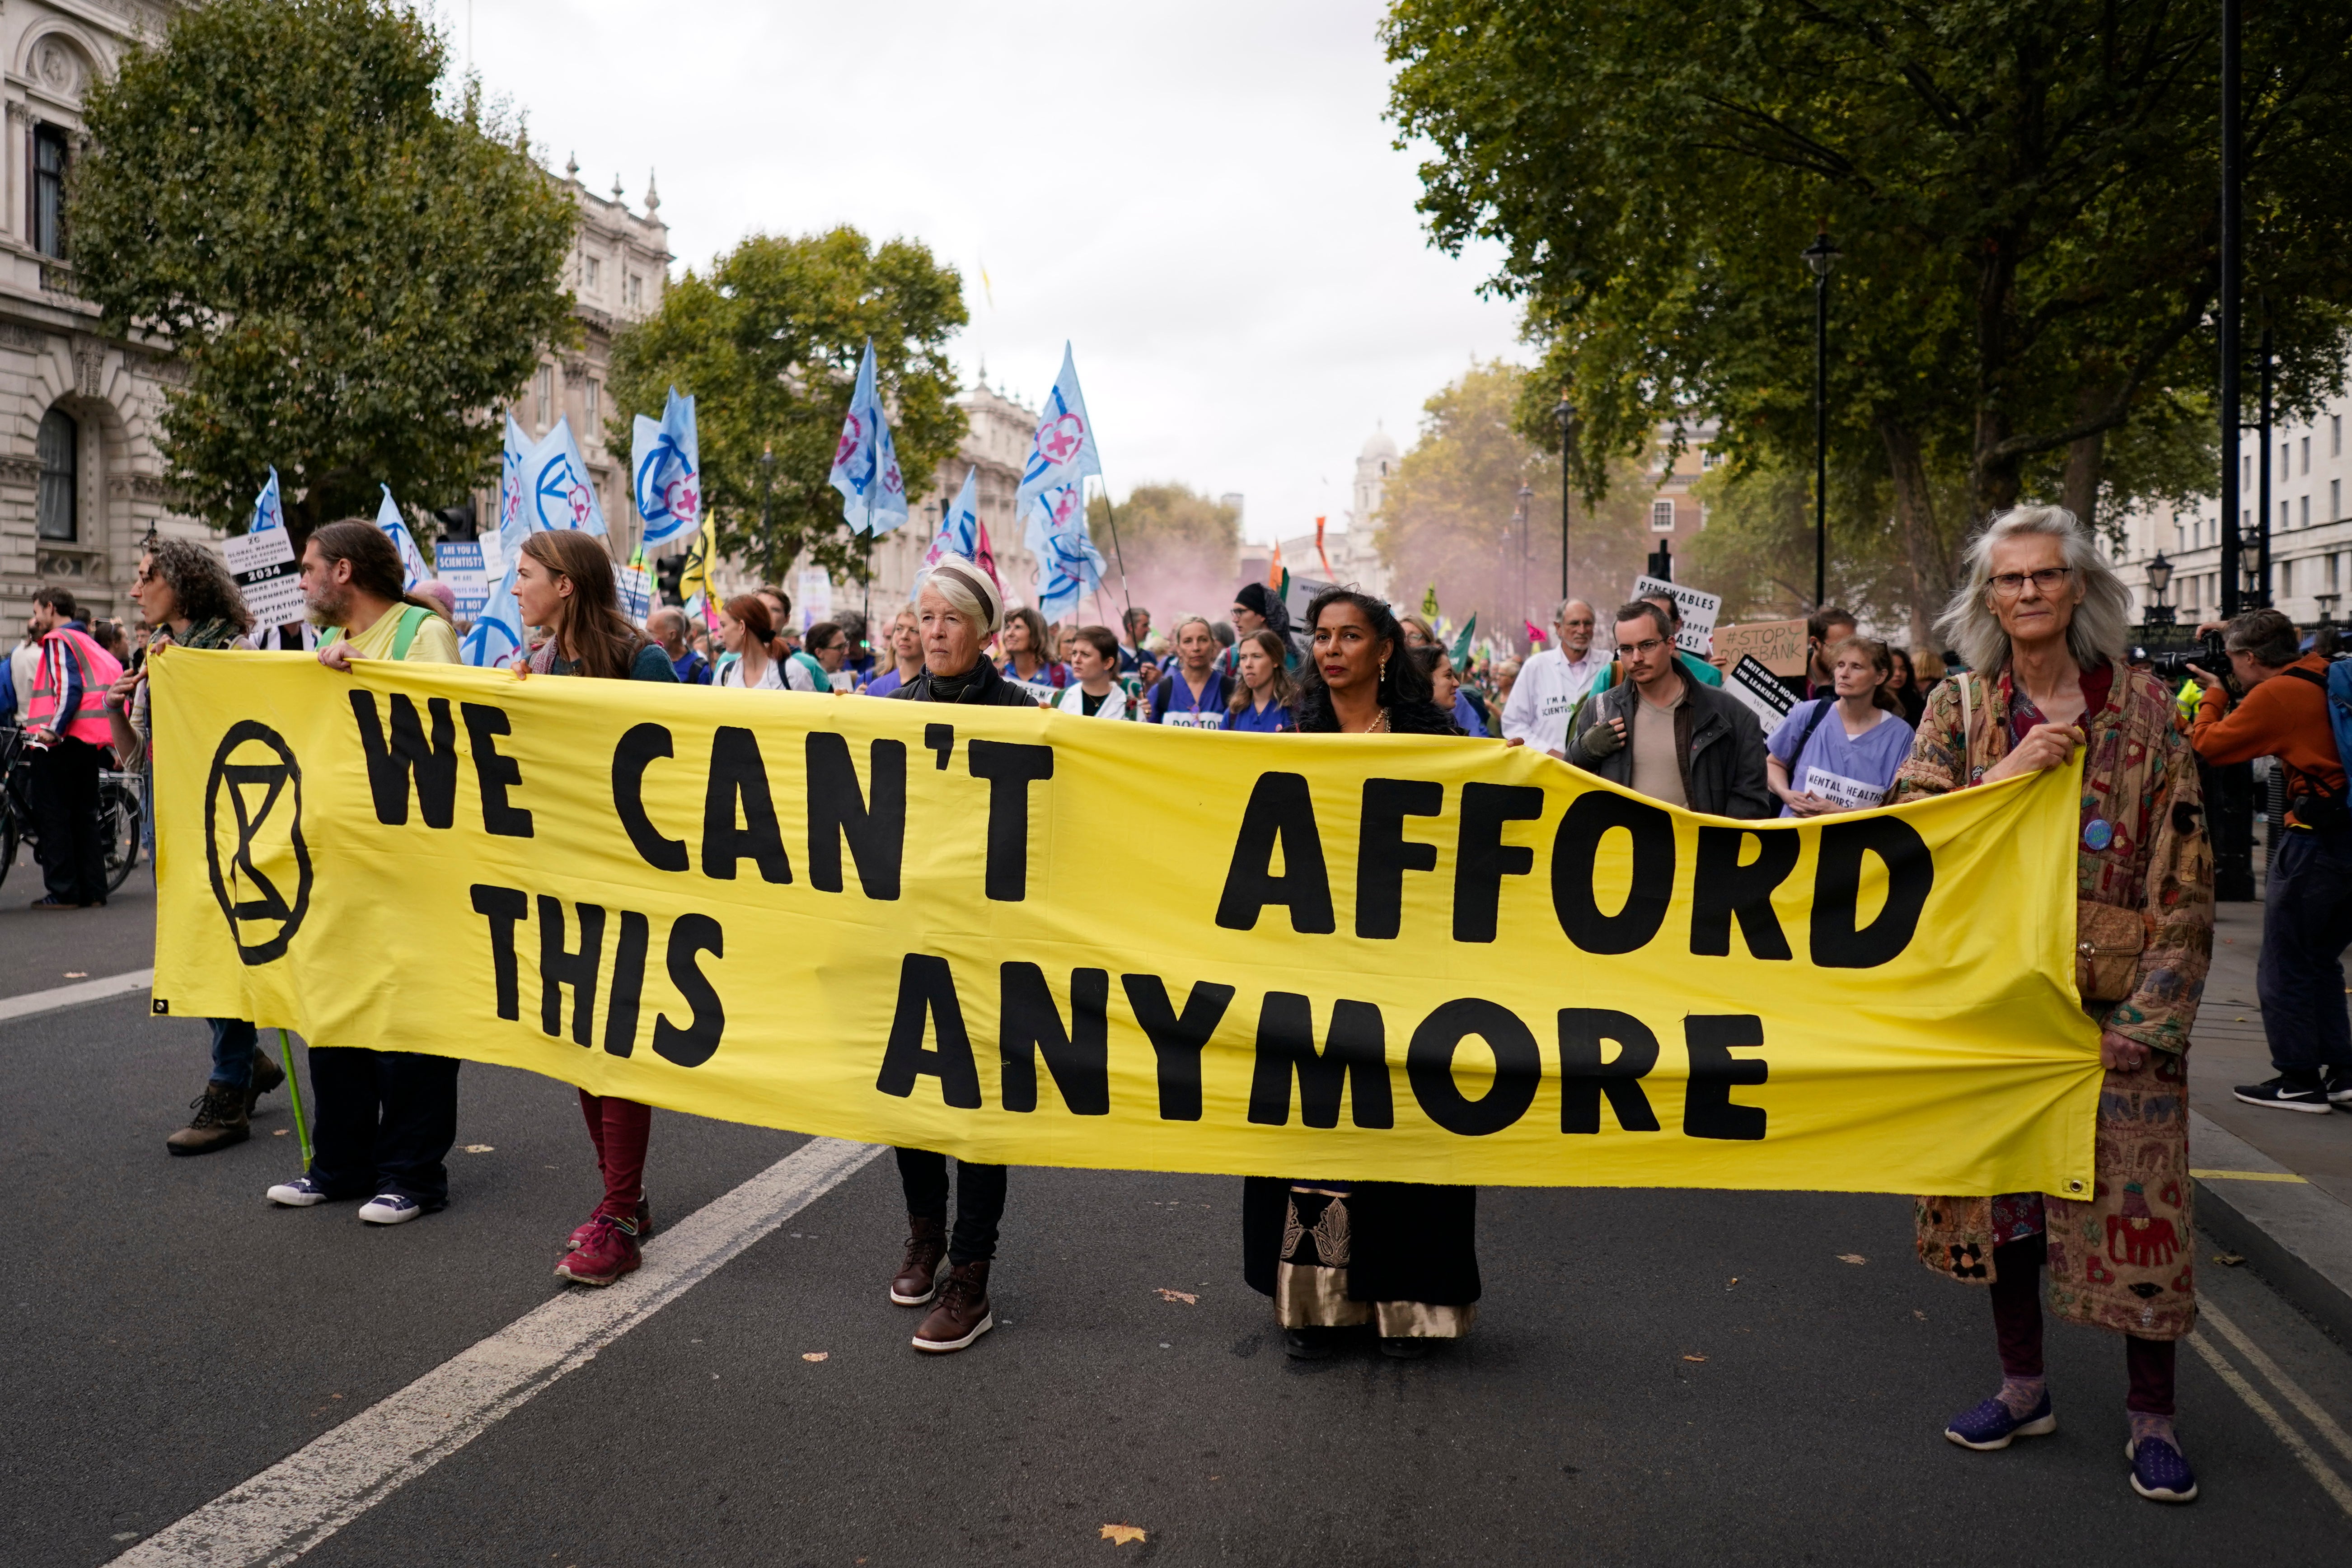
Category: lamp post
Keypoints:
(1519, 526)
(1564, 415)
(1820, 256)
(2159, 579)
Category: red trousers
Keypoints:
(2017, 1323)
(619, 1129)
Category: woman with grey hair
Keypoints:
(958, 608)
(2041, 623)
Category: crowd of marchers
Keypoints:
(2039, 671)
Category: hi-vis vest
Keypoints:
(98, 670)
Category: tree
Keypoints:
(348, 274)
(1447, 517)
(768, 345)
(1182, 548)
(2024, 191)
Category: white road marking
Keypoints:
(2329, 1481)
(2294, 1391)
(291, 1507)
(36, 1001)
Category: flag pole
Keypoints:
(1110, 514)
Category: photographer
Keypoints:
(2307, 906)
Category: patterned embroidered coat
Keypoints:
(2125, 1259)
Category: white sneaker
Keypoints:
(301, 1193)
(390, 1208)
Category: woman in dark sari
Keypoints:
(1401, 1256)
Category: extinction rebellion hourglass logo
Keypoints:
(253, 840)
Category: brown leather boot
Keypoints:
(266, 1074)
(918, 1277)
(962, 1314)
(219, 1122)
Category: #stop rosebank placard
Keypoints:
(1025, 938)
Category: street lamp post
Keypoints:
(1820, 256)
(2159, 579)
(1519, 526)
(1564, 415)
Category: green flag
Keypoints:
(1462, 643)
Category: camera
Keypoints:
(2173, 664)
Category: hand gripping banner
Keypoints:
(1032, 938)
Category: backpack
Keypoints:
(412, 620)
(2337, 686)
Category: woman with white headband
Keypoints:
(958, 609)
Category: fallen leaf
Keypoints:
(1735, 1279)
(1918, 1314)
(1120, 1534)
(1694, 1358)
(76, 974)
(280, 1134)
(814, 1355)
(478, 1148)
(2229, 1259)
(1187, 1297)
(1852, 1258)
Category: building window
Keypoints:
(2245, 472)
(2282, 517)
(2335, 500)
(543, 396)
(2286, 459)
(2286, 580)
(2306, 454)
(1661, 517)
(2306, 507)
(56, 505)
(591, 272)
(2336, 435)
(49, 190)
(1707, 458)
(595, 408)
(635, 290)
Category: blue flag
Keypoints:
(959, 531)
(516, 453)
(413, 570)
(497, 633)
(1062, 451)
(556, 490)
(666, 460)
(1069, 567)
(268, 508)
(889, 495)
(864, 465)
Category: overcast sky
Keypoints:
(1201, 196)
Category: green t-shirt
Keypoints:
(431, 639)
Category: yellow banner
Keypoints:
(1043, 940)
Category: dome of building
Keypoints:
(1380, 445)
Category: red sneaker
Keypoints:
(610, 1251)
(644, 1222)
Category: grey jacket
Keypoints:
(1718, 740)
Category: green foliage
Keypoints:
(2024, 190)
(1757, 550)
(1448, 517)
(1182, 548)
(348, 274)
(768, 345)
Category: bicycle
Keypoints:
(121, 818)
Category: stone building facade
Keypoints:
(80, 477)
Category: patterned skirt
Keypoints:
(1311, 1277)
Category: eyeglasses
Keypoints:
(2046, 581)
(1642, 648)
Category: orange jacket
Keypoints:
(2284, 717)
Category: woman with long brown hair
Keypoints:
(747, 630)
(563, 581)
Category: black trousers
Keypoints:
(382, 1121)
(65, 816)
(979, 1201)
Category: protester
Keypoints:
(1265, 696)
(1136, 620)
(1506, 678)
(1401, 1256)
(2042, 616)
(1025, 641)
(67, 728)
(959, 608)
(750, 638)
(1824, 629)
(1094, 691)
(1192, 695)
(1902, 684)
(858, 657)
(1663, 734)
(780, 611)
(667, 626)
(186, 595)
(812, 667)
(2307, 900)
(382, 1121)
(1852, 743)
(1065, 639)
(906, 656)
(1697, 668)
(1258, 608)
(1417, 632)
(1472, 701)
(1446, 690)
(563, 581)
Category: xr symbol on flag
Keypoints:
(254, 776)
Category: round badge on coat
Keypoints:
(2099, 833)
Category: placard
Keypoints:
(1778, 645)
(1699, 611)
(458, 563)
(635, 585)
(1850, 794)
(263, 565)
(1762, 692)
(815, 597)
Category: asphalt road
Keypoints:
(1656, 1377)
